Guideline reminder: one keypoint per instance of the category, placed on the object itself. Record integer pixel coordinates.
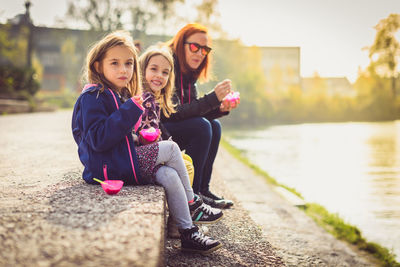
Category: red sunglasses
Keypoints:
(194, 47)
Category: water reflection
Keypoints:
(352, 169)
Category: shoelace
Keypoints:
(207, 209)
(201, 238)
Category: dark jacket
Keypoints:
(102, 126)
(187, 101)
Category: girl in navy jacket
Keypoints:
(104, 116)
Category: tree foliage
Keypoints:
(104, 15)
(107, 15)
(208, 16)
(385, 51)
(166, 7)
(16, 79)
(13, 45)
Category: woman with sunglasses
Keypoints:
(194, 126)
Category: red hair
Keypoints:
(177, 45)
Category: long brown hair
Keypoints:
(97, 54)
(165, 97)
(177, 45)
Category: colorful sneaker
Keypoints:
(202, 213)
(194, 241)
(215, 201)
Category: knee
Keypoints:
(204, 129)
(175, 147)
(167, 177)
(216, 128)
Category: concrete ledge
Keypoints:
(14, 106)
(72, 223)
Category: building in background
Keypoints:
(281, 67)
(333, 86)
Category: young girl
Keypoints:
(156, 65)
(103, 118)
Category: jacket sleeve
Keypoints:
(102, 130)
(197, 107)
(215, 114)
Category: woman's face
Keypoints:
(194, 59)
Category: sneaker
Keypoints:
(202, 213)
(219, 202)
(194, 241)
(172, 229)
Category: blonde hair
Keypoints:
(97, 54)
(165, 97)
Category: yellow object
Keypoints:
(189, 166)
(99, 181)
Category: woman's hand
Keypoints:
(227, 105)
(223, 88)
(235, 103)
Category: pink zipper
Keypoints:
(105, 172)
(127, 140)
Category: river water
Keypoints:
(352, 169)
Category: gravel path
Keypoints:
(243, 241)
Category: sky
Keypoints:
(331, 34)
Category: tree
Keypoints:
(207, 16)
(107, 15)
(385, 51)
(104, 15)
(140, 19)
(166, 7)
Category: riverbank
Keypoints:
(330, 222)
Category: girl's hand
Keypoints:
(138, 99)
(143, 141)
(222, 89)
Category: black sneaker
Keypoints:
(208, 193)
(202, 213)
(194, 241)
(216, 202)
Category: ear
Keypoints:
(97, 66)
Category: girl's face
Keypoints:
(117, 66)
(194, 59)
(157, 73)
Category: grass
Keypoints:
(330, 222)
(239, 155)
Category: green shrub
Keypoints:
(18, 82)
